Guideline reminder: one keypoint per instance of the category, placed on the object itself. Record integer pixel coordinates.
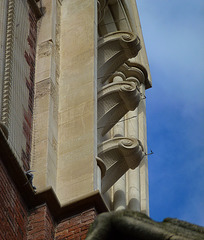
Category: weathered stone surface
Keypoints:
(126, 225)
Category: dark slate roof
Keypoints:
(129, 225)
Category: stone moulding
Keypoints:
(101, 7)
(102, 166)
(133, 72)
(114, 49)
(47, 196)
(118, 155)
(8, 65)
(133, 69)
(114, 101)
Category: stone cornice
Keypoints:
(47, 196)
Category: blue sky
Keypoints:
(174, 36)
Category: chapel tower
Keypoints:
(91, 76)
(73, 76)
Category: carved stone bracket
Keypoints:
(118, 155)
(132, 69)
(114, 49)
(114, 101)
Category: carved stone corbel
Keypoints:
(118, 155)
(134, 70)
(114, 101)
(114, 49)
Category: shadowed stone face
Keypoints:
(125, 225)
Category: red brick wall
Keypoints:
(29, 55)
(13, 212)
(42, 227)
(17, 223)
(76, 227)
(40, 224)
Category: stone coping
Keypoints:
(47, 196)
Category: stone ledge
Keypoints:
(47, 196)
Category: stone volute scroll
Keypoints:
(114, 49)
(118, 155)
(133, 70)
(114, 101)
